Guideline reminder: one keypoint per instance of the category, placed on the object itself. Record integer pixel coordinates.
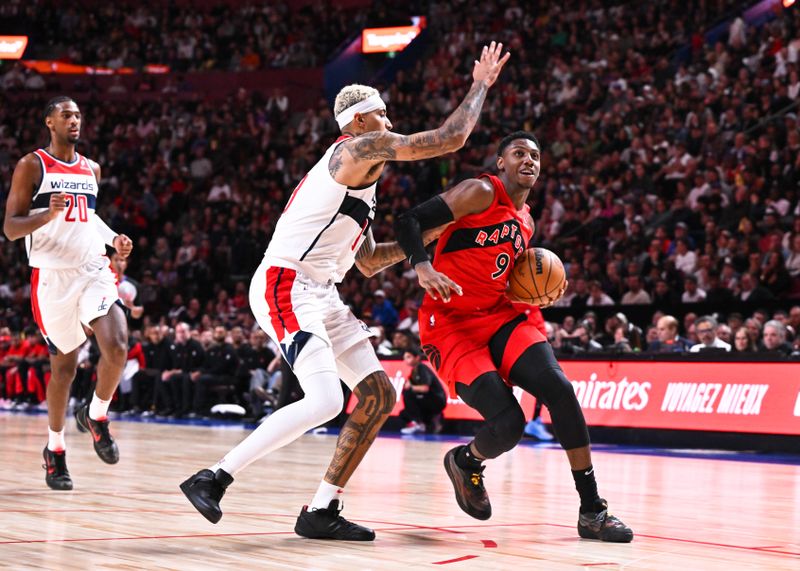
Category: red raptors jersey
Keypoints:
(479, 250)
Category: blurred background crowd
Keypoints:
(670, 182)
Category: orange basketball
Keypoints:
(536, 278)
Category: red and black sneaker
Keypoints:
(57, 476)
(468, 485)
(104, 443)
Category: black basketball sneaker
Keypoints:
(601, 525)
(57, 476)
(326, 523)
(104, 443)
(205, 490)
(468, 484)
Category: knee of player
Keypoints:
(116, 349)
(62, 373)
(377, 388)
(511, 425)
(559, 388)
(329, 408)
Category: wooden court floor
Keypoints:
(687, 513)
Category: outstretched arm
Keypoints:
(451, 136)
(372, 258)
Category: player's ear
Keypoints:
(500, 164)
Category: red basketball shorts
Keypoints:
(457, 343)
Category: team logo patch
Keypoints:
(103, 305)
(433, 354)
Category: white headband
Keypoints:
(371, 103)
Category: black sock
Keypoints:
(587, 488)
(466, 460)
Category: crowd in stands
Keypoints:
(670, 182)
(190, 36)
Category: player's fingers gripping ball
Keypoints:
(537, 278)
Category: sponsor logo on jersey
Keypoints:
(70, 185)
(433, 354)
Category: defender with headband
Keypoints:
(323, 231)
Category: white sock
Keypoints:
(98, 408)
(325, 494)
(322, 402)
(55, 440)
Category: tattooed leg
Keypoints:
(376, 399)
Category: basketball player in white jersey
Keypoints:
(324, 229)
(52, 205)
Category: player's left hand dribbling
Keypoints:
(123, 245)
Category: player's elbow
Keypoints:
(9, 232)
(455, 142)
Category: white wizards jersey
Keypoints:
(72, 239)
(323, 224)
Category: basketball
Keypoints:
(536, 277)
(127, 291)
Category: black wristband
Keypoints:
(409, 226)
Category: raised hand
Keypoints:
(488, 67)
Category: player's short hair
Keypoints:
(350, 95)
(51, 105)
(506, 141)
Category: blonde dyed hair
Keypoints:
(350, 95)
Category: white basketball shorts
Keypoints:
(290, 307)
(63, 300)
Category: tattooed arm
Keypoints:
(357, 155)
(373, 258)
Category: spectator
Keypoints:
(186, 356)
(724, 333)
(692, 293)
(218, 370)
(635, 294)
(774, 340)
(383, 348)
(706, 328)
(668, 339)
(155, 353)
(424, 397)
(597, 297)
(751, 291)
(742, 343)
(579, 341)
(383, 311)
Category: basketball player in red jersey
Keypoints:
(52, 205)
(480, 344)
(323, 231)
